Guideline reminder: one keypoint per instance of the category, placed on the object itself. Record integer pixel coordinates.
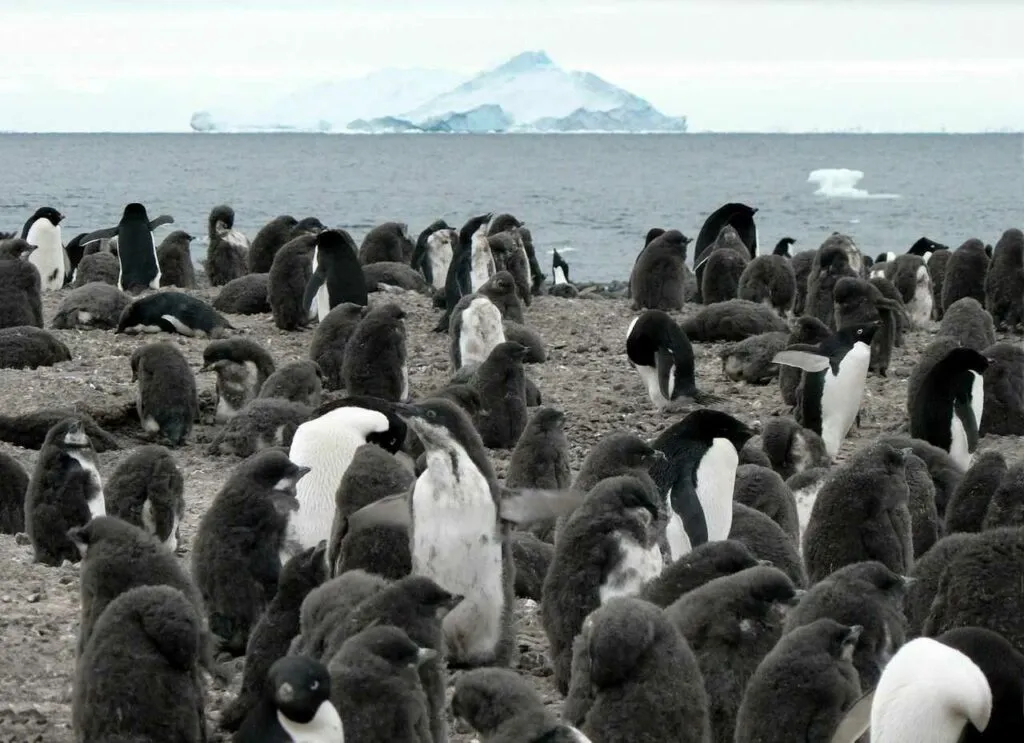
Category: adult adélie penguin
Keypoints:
(459, 518)
(833, 381)
(458, 281)
(697, 475)
(662, 355)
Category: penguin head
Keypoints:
(807, 329)
(859, 333)
(272, 469)
(438, 422)
(135, 211)
(305, 571)
(782, 246)
(627, 451)
(548, 419)
(653, 234)
(179, 236)
(329, 242)
(618, 634)
(768, 591)
(706, 425)
(429, 597)
(630, 496)
(48, 213)
(499, 285)
(222, 218)
(69, 434)
(309, 226)
(299, 685)
(388, 311)
(394, 647)
(509, 351)
(728, 556)
(486, 697)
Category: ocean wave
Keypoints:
(841, 183)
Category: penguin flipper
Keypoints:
(160, 221)
(98, 235)
(856, 721)
(809, 362)
(963, 410)
(685, 502)
(528, 505)
(390, 511)
(316, 280)
(176, 326)
(665, 363)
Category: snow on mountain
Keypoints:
(528, 87)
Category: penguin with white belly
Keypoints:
(833, 381)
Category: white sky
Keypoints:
(882, 65)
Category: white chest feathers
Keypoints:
(921, 305)
(842, 396)
(325, 727)
(716, 478)
(560, 276)
(636, 565)
(439, 255)
(481, 260)
(457, 542)
(481, 331)
(959, 444)
(322, 299)
(96, 501)
(48, 257)
(675, 534)
(928, 693)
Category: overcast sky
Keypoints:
(917, 65)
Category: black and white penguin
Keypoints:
(697, 476)
(336, 274)
(136, 251)
(65, 491)
(173, 312)
(1004, 283)
(376, 359)
(948, 406)
(661, 354)
(138, 677)
(42, 231)
(739, 216)
(834, 376)
(481, 259)
(167, 401)
(930, 691)
(237, 570)
(782, 247)
(296, 706)
(227, 250)
(147, 490)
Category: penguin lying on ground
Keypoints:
(173, 312)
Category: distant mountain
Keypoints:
(528, 93)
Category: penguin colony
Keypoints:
(394, 559)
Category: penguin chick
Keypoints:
(260, 425)
(374, 684)
(929, 692)
(13, 486)
(503, 708)
(924, 516)
(376, 362)
(417, 606)
(731, 624)
(945, 473)
(861, 513)
(167, 402)
(1004, 391)
(227, 251)
(274, 631)
(330, 337)
(501, 383)
(251, 354)
(138, 676)
(175, 259)
(540, 458)
(235, 555)
(777, 702)
(969, 503)
(1007, 505)
(770, 280)
(969, 324)
(65, 491)
(865, 593)
(646, 680)
(767, 541)
(536, 353)
(607, 548)
(327, 606)
(791, 448)
(965, 274)
(298, 381)
(92, 306)
(858, 301)
(295, 706)
(116, 557)
(532, 557)
(246, 295)
(763, 489)
(1004, 282)
(704, 564)
(927, 573)
(233, 390)
(750, 360)
(147, 490)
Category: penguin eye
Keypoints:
(314, 686)
(431, 413)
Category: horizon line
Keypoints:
(774, 132)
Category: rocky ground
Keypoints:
(586, 375)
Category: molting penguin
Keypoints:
(834, 376)
(146, 490)
(1004, 283)
(481, 261)
(65, 491)
(476, 328)
(432, 257)
(769, 279)
(296, 706)
(947, 408)
(966, 271)
(660, 275)
(336, 274)
(174, 256)
(167, 402)
(227, 251)
(697, 476)
(43, 232)
(914, 283)
(661, 354)
(237, 570)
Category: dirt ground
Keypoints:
(586, 375)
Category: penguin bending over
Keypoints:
(661, 354)
(147, 490)
(167, 402)
(834, 376)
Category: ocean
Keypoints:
(591, 196)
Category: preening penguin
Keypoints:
(661, 354)
(431, 257)
(337, 275)
(227, 251)
(174, 256)
(96, 305)
(697, 476)
(146, 490)
(1004, 283)
(833, 381)
(167, 402)
(42, 231)
(296, 706)
(750, 360)
(930, 692)
(242, 366)
(792, 449)
(914, 283)
(65, 491)
(947, 409)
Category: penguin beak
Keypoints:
(908, 581)
(657, 455)
(797, 595)
(853, 635)
(766, 563)
(408, 410)
(424, 655)
(301, 472)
